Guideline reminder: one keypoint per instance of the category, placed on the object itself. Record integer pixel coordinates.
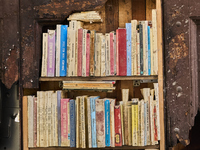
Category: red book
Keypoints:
(80, 41)
(64, 121)
(111, 53)
(121, 52)
(155, 123)
(88, 54)
(35, 122)
(118, 127)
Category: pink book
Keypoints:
(121, 52)
(51, 54)
(80, 41)
(88, 54)
(112, 53)
(64, 122)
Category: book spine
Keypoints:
(64, 122)
(69, 51)
(151, 120)
(72, 124)
(84, 53)
(25, 121)
(107, 54)
(54, 120)
(30, 121)
(92, 45)
(44, 54)
(73, 46)
(115, 55)
(112, 122)
(63, 51)
(155, 123)
(139, 123)
(42, 144)
(98, 55)
(112, 53)
(117, 51)
(80, 42)
(122, 53)
(149, 52)
(51, 54)
(141, 47)
(93, 122)
(68, 113)
(107, 123)
(148, 124)
(49, 118)
(145, 123)
(157, 108)
(59, 116)
(145, 48)
(122, 120)
(128, 48)
(83, 122)
(103, 56)
(58, 33)
(46, 119)
(89, 123)
(142, 123)
(129, 126)
(88, 55)
(118, 127)
(133, 47)
(35, 122)
(100, 125)
(77, 121)
(126, 131)
(138, 53)
(151, 46)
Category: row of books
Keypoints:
(74, 51)
(92, 122)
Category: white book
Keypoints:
(89, 123)
(142, 123)
(84, 53)
(133, 46)
(151, 46)
(157, 108)
(122, 119)
(42, 126)
(138, 53)
(44, 54)
(155, 46)
(145, 47)
(38, 119)
(103, 55)
(77, 102)
(30, 121)
(139, 124)
(49, 118)
(107, 54)
(58, 33)
(69, 52)
(46, 119)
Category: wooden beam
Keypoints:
(139, 9)
(125, 12)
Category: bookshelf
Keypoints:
(140, 10)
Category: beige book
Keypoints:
(151, 117)
(49, 117)
(77, 122)
(92, 51)
(142, 123)
(139, 124)
(46, 119)
(103, 55)
(129, 125)
(112, 122)
(97, 55)
(69, 52)
(25, 122)
(84, 53)
(157, 108)
(133, 46)
(30, 121)
(58, 32)
(155, 46)
(89, 123)
(44, 54)
(138, 53)
(38, 119)
(145, 47)
(107, 54)
(82, 118)
(122, 119)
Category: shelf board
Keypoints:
(123, 147)
(153, 77)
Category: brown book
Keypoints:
(92, 44)
(100, 122)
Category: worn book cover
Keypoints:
(128, 49)
(118, 127)
(88, 54)
(107, 123)
(133, 47)
(44, 54)
(112, 53)
(80, 45)
(92, 50)
(72, 124)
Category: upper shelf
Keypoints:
(153, 77)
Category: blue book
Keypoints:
(145, 123)
(93, 120)
(107, 123)
(128, 47)
(149, 51)
(72, 123)
(59, 117)
(63, 50)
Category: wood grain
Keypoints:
(139, 9)
(125, 12)
(150, 4)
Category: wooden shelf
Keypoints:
(98, 78)
(123, 147)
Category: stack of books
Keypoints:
(91, 121)
(74, 51)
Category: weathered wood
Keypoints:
(112, 15)
(125, 12)
(35, 16)
(9, 42)
(150, 4)
(139, 9)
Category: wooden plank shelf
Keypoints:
(71, 148)
(153, 77)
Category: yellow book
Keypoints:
(135, 122)
(129, 110)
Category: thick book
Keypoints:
(107, 123)
(93, 120)
(157, 108)
(54, 120)
(115, 55)
(64, 122)
(88, 54)
(63, 51)
(72, 124)
(30, 121)
(112, 53)
(83, 120)
(141, 47)
(97, 53)
(69, 51)
(128, 48)
(142, 123)
(58, 33)
(51, 54)
(133, 47)
(84, 53)
(118, 127)
(44, 54)
(80, 42)
(100, 122)
(151, 105)
(121, 52)
(129, 125)
(49, 117)
(92, 49)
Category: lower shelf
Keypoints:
(123, 147)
